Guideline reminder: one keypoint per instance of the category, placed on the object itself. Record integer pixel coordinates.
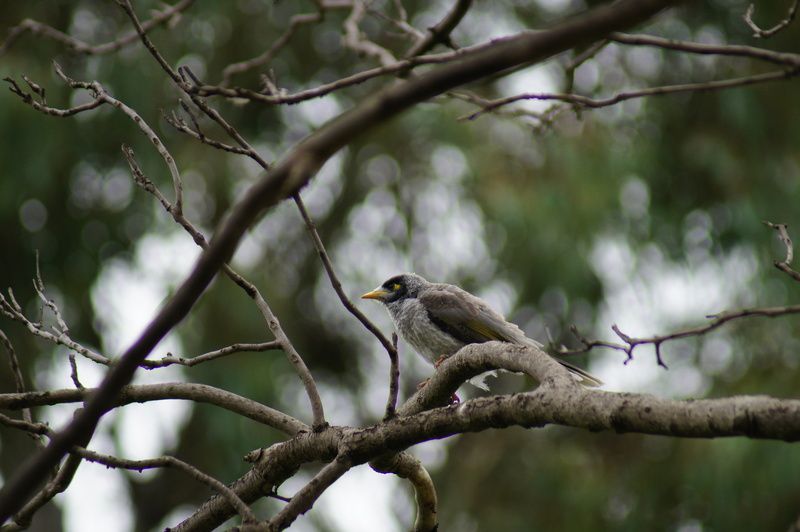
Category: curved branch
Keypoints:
(140, 393)
(406, 466)
(294, 172)
(81, 47)
(558, 401)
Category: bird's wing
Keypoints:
(466, 317)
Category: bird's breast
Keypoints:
(415, 327)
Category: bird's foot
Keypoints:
(439, 361)
(422, 384)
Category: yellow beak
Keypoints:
(379, 293)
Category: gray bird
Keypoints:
(438, 319)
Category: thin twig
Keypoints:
(632, 342)
(243, 66)
(140, 465)
(785, 265)
(759, 33)
(440, 33)
(140, 393)
(394, 380)
(304, 499)
(391, 347)
(73, 373)
(81, 47)
(19, 381)
(762, 54)
(586, 102)
(354, 38)
(250, 289)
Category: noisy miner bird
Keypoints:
(438, 319)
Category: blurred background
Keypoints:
(646, 214)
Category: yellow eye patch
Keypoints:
(395, 287)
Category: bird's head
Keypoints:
(397, 288)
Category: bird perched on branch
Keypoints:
(438, 319)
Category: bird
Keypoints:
(438, 319)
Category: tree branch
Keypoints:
(558, 400)
(295, 171)
(78, 46)
(141, 393)
(758, 33)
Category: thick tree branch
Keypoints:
(558, 400)
(293, 172)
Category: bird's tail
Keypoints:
(581, 376)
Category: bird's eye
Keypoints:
(395, 287)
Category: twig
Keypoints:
(175, 121)
(440, 33)
(785, 265)
(126, 6)
(81, 47)
(758, 33)
(762, 54)
(243, 66)
(304, 499)
(73, 374)
(716, 320)
(324, 89)
(294, 171)
(135, 465)
(170, 359)
(19, 381)
(586, 102)
(250, 289)
(391, 347)
(140, 393)
(11, 309)
(354, 39)
(394, 380)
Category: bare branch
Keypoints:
(406, 466)
(304, 499)
(272, 322)
(558, 400)
(73, 373)
(65, 474)
(12, 310)
(243, 66)
(586, 102)
(391, 347)
(394, 380)
(716, 321)
(440, 33)
(779, 58)
(354, 39)
(758, 33)
(295, 171)
(785, 265)
(141, 393)
(195, 132)
(38, 28)
(170, 359)
(140, 30)
(19, 381)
